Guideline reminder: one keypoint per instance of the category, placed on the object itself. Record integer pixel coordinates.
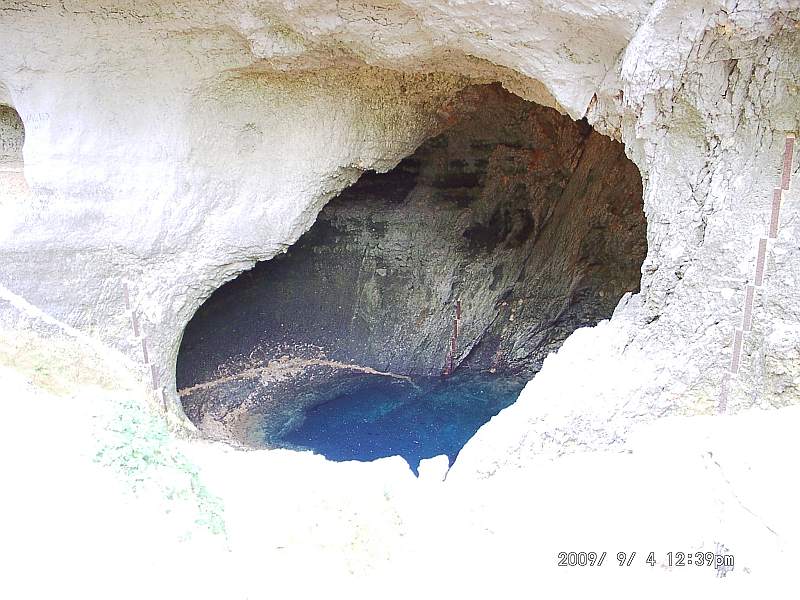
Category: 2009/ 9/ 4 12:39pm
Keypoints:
(624, 559)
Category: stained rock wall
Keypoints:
(174, 145)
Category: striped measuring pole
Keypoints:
(740, 333)
(449, 366)
(139, 335)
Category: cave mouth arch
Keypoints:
(422, 299)
(12, 138)
(13, 187)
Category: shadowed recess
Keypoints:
(12, 137)
(422, 299)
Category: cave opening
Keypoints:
(12, 138)
(422, 299)
(12, 178)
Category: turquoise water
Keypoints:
(388, 417)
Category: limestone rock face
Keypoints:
(173, 145)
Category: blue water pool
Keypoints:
(386, 417)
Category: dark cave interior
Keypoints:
(457, 271)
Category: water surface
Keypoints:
(386, 417)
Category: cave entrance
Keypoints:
(422, 299)
(12, 138)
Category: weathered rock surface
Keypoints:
(174, 145)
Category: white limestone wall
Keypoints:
(170, 146)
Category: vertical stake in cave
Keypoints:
(758, 277)
(449, 366)
(151, 367)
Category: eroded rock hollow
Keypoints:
(480, 252)
(12, 136)
(12, 180)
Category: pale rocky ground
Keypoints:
(102, 501)
(171, 145)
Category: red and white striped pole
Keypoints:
(758, 277)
